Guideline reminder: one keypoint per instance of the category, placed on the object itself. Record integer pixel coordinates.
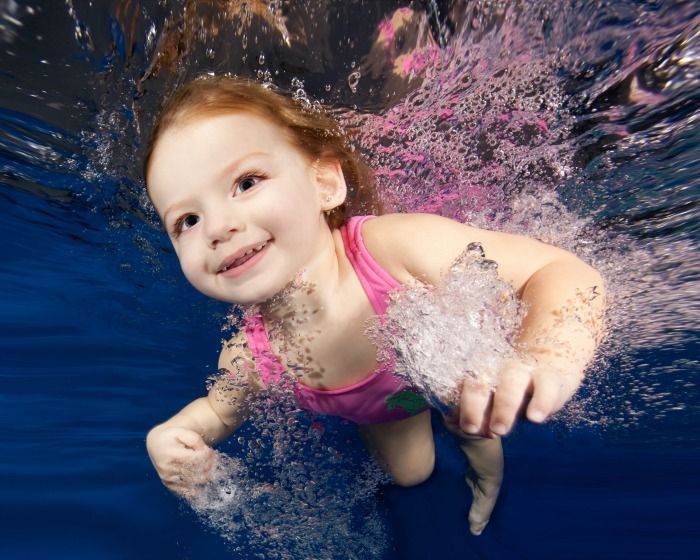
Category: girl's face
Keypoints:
(241, 204)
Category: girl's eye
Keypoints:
(190, 221)
(248, 182)
(186, 222)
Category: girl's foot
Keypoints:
(484, 497)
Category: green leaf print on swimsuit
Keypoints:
(409, 401)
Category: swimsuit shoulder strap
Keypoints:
(376, 282)
(269, 367)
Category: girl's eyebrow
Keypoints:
(240, 162)
(174, 207)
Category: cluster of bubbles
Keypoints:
(474, 133)
(500, 142)
(461, 330)
(287, 490)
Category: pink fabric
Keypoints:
(376, 281)
(269, 367)
(380, 397)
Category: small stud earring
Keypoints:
(329, 198)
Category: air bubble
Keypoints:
(354, 80)
(285, 482)
(460, 330)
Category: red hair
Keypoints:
(311, 130)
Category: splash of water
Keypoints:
(460, 330)
(498, 142)
(290, 491)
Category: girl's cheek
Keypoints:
(188, 268)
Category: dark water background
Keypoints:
(102, 338)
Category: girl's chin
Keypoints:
(248, 299)
(251, 293)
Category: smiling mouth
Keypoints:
(239, 259)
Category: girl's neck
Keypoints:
(313, 293)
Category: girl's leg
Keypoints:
(405, 447)
(485, 475)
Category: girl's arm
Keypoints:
(179, 447)
(564, 299)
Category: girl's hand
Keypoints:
(181, 458)
(539, 390)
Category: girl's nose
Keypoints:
(220, 227)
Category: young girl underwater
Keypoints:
(260, 196)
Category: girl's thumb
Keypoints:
(192, 440)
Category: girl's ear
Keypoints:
(330, 183)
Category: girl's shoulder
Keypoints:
(424, 247)
(377, 236)
(415, 246)
(237, 361)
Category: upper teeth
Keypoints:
(257, 248)
(248, 252)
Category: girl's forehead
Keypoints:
(237, 128)
(234, 121)
(213, 140)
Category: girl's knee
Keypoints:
(413, 473)
(405, 448)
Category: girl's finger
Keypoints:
(181, 490)
(210, 463)
(186, 480)
(475, 403)
(509, 399)
(546, 397)
(173, 478)
(198, 475)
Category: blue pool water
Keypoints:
(101, 337)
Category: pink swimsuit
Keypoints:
(382, 396)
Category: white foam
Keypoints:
(459, 330)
